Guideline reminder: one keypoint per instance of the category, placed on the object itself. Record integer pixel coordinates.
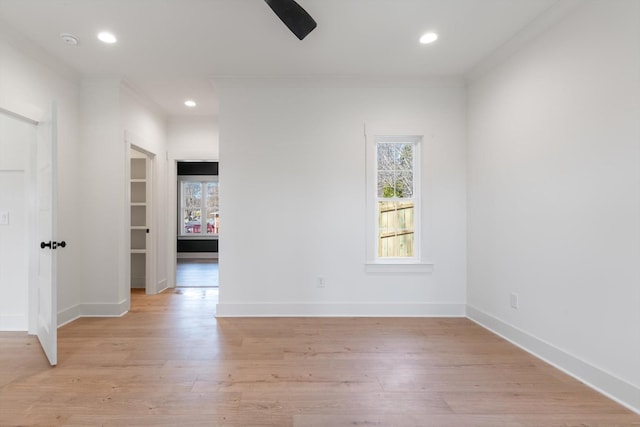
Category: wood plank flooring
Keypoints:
(197, 273)
(170, 362)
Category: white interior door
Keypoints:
(47, 319)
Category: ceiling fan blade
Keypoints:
(294, 16)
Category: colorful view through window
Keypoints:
(200, 207)
(395, 199)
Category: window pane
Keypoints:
(192, 205)
(404, 184)
(386, 185)
(192, 221)
(386, 157)
(395, 170)
(404, 217)
(395, 229)
(213, 214)
(404, 156)
(386, 222)
(192, 194)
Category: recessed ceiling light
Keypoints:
(190, 103)
(428, 38)
(69, 39)
(107, 37)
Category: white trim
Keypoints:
(162, 285)
(335, 81)
(199, 237)
(105, 309)
(14, 322)
(18, 116)
(372, 199)
(604, 382)
(142, 99)
(543, 22)
(92, 310)
(68, 315)
(340, 310)
(398, 267)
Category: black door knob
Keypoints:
(53, 245)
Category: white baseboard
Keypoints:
(68, 315)
(13, 323)
(92, 310)
(611, 386)
(162, 286)
(339, 310)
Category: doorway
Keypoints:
(198, 224)
(28, 205)
(141, 266)
(17, 220)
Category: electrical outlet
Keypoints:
(4, 218)
(320, 282)
(514, 301)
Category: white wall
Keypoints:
(111, 110)
(29, 81)
(103, 187)
(190, 135)
(293, 197)
(554, 196)
(146, 127)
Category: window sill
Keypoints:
(199, 237)
(399, 267)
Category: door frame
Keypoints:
(151, 287)
(32, 235)
(172, 198)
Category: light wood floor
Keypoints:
(170, 362)
(197, 272)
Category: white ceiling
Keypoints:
(168, 49)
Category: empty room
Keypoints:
(395, 212)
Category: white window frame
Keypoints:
(375, 263)
(202, 179)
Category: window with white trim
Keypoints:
(397, 203)
(199, 206)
